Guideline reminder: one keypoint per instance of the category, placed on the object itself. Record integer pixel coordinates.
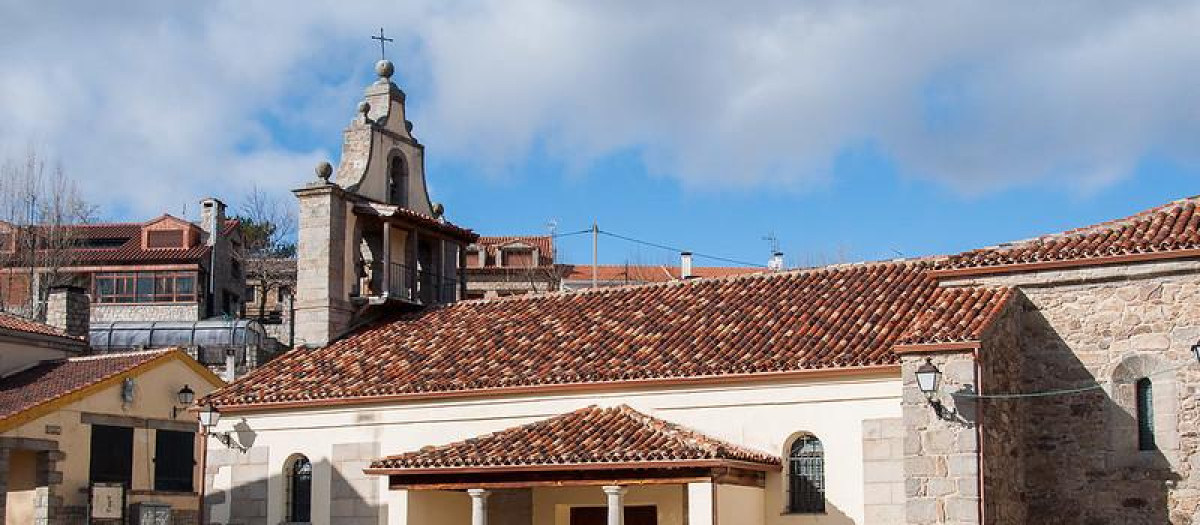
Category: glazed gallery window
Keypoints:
(111, 455)
(806, 476)
(299, 489)
(144, 287)
(1144, 390)
(174, 460)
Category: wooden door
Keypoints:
(640, 515)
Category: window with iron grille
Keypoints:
(1145, 414)
(806, 476)
(299, 483)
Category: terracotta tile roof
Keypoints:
(836, 317)
(543, 243)
(131, 249)
(371, 207)
(13, 322)
(51, 380)
(623, 273)
(591, 437)
(956, 315)
(1172, 227)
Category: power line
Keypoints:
(1048, 393)
(674, 249)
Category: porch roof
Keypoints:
(592, 438)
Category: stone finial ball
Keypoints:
(364, 107)
(324, 170)
(438, 210)
(384, 68)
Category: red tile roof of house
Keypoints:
(1172, 229)
(624, 273)
(13, 322)
(588, 438)
(956, 315)
(51, 380)
(131, 250)
(794, 321)
(543, 243)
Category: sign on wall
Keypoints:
(107, 501)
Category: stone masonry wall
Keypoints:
(103, 313)
(354, 495)
(1001, 420)
(1106, 328)
(941, 453)
(247, 500)
(883, 471)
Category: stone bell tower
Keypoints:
(370, 240)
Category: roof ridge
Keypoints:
(114, 355)
(684, 282)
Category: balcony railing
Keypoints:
(429, 288)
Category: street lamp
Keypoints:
(185, 396)
(929, 378)
(209, 416)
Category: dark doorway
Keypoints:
(640, 515)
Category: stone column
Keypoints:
(478, 506)
(941, 452)
(701, 503)
(615, 495)
(387, 259)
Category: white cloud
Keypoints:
(153, 103)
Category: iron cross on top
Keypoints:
(382, 42)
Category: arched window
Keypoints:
(806, 476)
(1145, 413)
(398, 181)
(298, 473)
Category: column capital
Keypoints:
(615, 490)
(479, 493)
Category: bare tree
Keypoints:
(39, 209)
(268, 228)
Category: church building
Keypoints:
(1045, 381)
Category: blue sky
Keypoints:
(851, 130)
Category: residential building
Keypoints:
(270, 296)
(371, 242)
(511, 265)
(76, 426)
(164, 269)
(580, 276)
(1042, 381)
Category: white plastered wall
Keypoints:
(761, 416)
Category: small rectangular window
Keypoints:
(160, 239)
(111, 455)
(174, 460)
(1145, 414)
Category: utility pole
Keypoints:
(595, 248)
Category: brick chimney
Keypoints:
(68, 309)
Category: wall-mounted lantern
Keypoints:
(185, 396)
(929, 378)
(1196, 351)
(209, 416)
(184, 399)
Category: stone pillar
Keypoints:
(941, 452)
(615, 496)
(322, 307)
(701, 504)
(478, 506)
(68, 309)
